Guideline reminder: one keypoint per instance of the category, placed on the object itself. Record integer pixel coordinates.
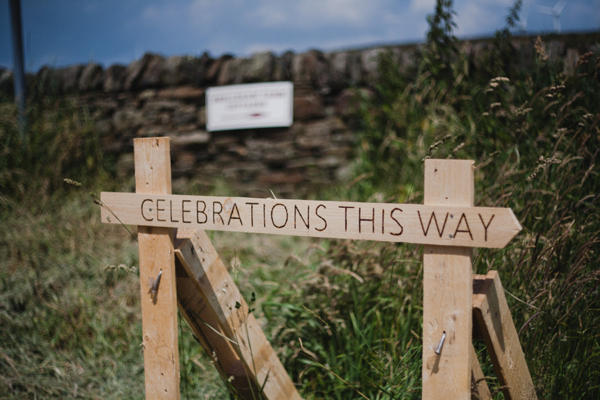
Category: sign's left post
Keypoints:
(157, 275)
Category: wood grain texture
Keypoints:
(203, 264)
(203, 321)
(447, 289)
(498, 330)
(441, 224)
(479, 387)
(156, 253)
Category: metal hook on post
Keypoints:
(153, 283)
(438, 350)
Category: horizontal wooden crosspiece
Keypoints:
(409, 223)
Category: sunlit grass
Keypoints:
(344, 316)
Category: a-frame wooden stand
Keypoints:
(183, 270)
(206, 295)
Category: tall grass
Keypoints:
(60, 142)
(351, 328)
(69, 285)
(534, 135)
(345, 317)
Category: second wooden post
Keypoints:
(447, 285)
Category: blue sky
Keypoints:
(66, 32)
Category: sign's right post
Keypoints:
(447, 289)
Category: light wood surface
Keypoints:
(203, 321)
(447, 224)
(447, 289)
(498, 330)
(443, 224)
(479, 387)
(156, 253)
(202, 263)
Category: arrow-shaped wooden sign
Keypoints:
(409, 223)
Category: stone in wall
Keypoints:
(114, 78)
(185, 114)
(107, 104)
(185, 162)
(339, 64)
(346, 102)
(270, 151)
(202, 117)
(192, 139)
(59, 81)
(69, 77)
(212, 73)
(145, 73)
(283, 67)
(182, 93)
(311, 71)
(308, 105)
(318, 134)
(186, 70)
(152, 75)
(370, 59)
(127, 120)
(260, 68)
(91, 78)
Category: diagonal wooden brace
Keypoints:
(494, 320)
(203, 266)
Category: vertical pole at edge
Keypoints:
(447, 286)
(156, 253)
(18, 64)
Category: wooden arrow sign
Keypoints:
(409, 223)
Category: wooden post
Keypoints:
(447, 286)
(156, 253)
(498, 330)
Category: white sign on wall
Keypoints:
(254, 105)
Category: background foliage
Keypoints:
(344, 316)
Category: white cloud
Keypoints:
(422, 6)
(311, 13)
(269, 14)
(469, 18)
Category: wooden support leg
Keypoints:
(498, 330)
(447, 287)
(156, 252)
(202, 320)
(203, 265)
(479, 387)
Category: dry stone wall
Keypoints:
(158, 96)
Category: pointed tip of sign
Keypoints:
(513, 230)
(518, 226)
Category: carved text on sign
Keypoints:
(411, 223)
